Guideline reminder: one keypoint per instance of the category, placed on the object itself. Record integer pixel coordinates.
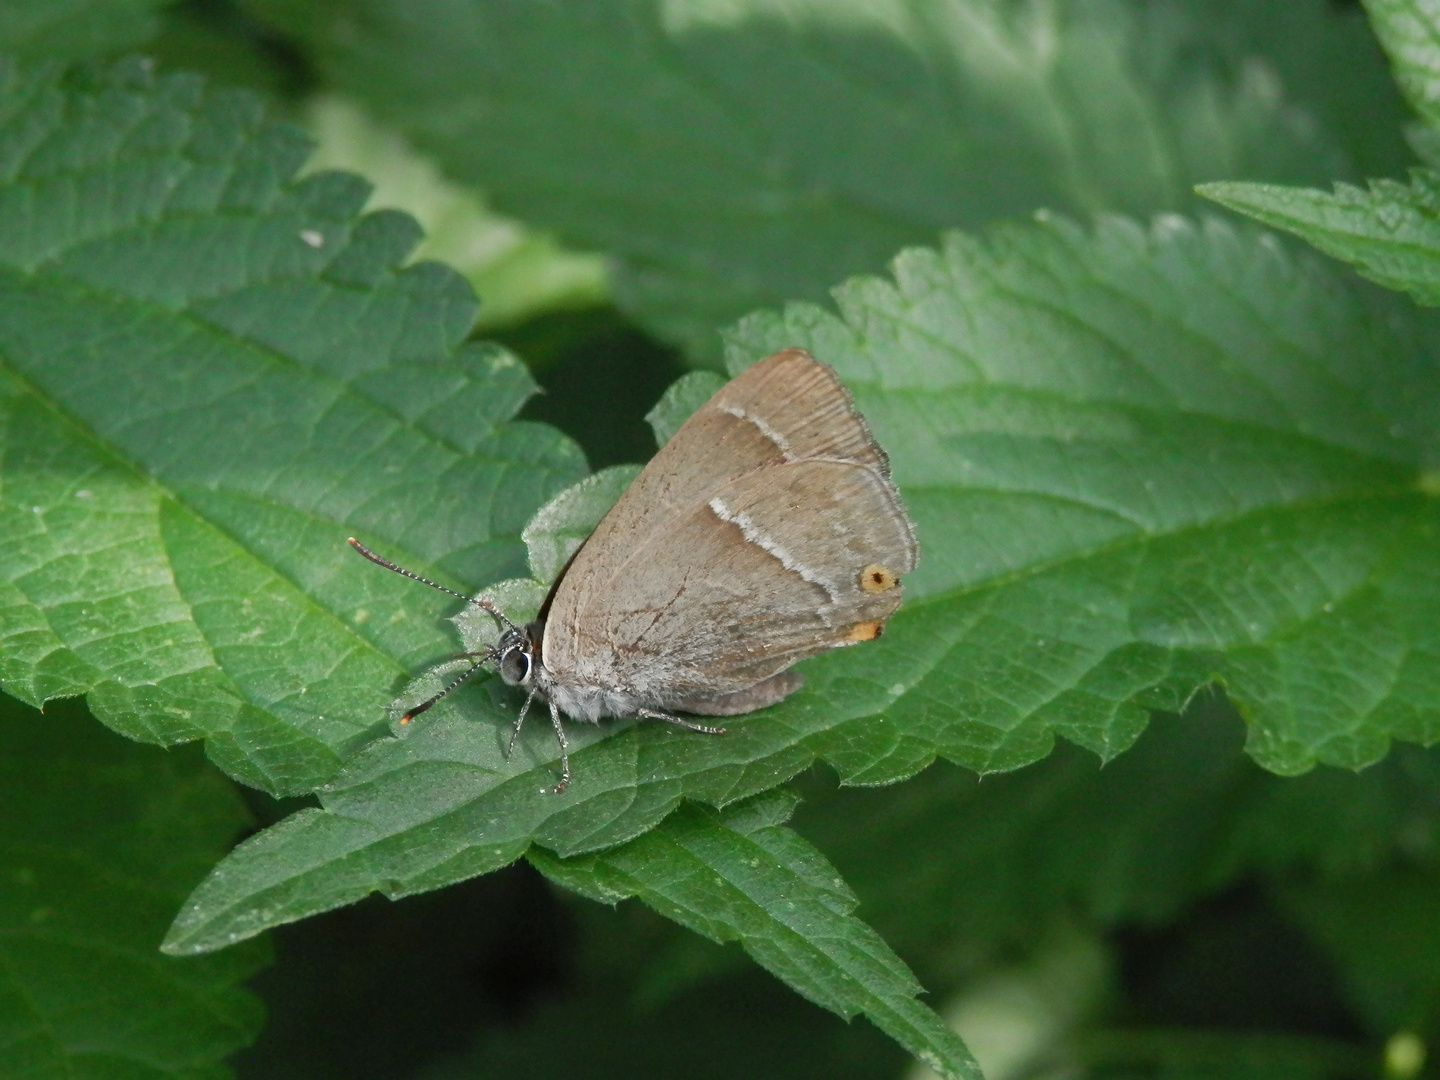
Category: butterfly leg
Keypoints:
(519, 722)
(649, 714)
(564, 749)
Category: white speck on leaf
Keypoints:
(313, 238)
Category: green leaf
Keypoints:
(743, 876)
(685, 395)
(73, 29)
(560, 526)
(1327, 61)
(211, 376)
(1138, 462)
(747, 1025)
(99, 839)
(516, 271)
(734, 155)
(1389, 232)
(1410, 34)
(1224, 1055)
(1380, 930)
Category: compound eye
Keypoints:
(515, 666)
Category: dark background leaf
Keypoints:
(76, 29)
(737, 156)
(99, 839)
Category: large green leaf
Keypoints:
(743, 876)
(1138, 462)
(733, 155)
(99, 839)
(210, 376)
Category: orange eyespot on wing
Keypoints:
(876, 579)
(864, 631)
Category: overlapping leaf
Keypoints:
(1410, 33)
(99, 839)
(1388, 231)
(210, 376)
(734, 155)
(516, 271)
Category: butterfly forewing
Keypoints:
(766, 530)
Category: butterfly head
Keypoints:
(515, 655)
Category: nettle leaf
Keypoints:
(741, 875)
(1390, 231)
(1387, 231)
(516, 271)
(211, 375)
(1410, 32)
(684, 396)
(737, 877)
(737, 155)
(1139, 462)
(559, 528)
(99, 839)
